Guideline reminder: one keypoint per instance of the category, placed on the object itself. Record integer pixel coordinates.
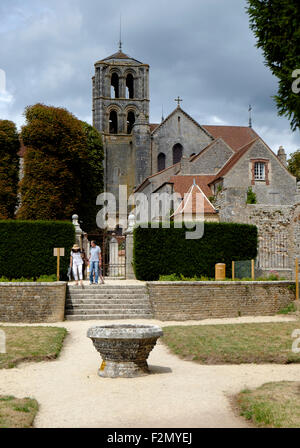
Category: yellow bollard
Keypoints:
(220, 271)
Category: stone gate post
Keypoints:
(129, 273)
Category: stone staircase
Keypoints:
(108, 302)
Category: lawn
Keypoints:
(233, 344)
(272, 405)
(17, 412)
(31, 344)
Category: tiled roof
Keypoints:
(153, 126)
(118, 55)
(234, 136)
(182, 183)
(189, 204)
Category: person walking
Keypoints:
(76, 263)
(95, 263)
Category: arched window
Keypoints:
(130, 121)
(129, 86)
(114, 89)
(161, 162)
(113, 122)
(177, 152)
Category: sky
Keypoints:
(201, 50)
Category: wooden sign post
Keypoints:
(58, 252)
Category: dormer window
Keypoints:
(259, 171)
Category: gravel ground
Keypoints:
(176, 394)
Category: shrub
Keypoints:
(26, 248)
(251, 196)
(9, 169)
(161, 251)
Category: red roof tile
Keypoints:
(234, 136)
(189, 204)
(182, 183)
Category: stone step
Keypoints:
(107, 287)
(108, 312)
(109, 306)
(108, 317)
(121, 302)
(106, 292)
(103, 297)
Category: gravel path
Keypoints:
(177, 394)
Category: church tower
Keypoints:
(121, 114)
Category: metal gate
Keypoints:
(113, 256)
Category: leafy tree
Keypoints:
(276, 25)
(91, 177)
(294, 164)
(9, 169)
(56, 145)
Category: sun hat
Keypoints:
(75, 247)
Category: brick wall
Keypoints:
(194, 300)
(32, 302)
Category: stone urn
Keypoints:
(124, 349)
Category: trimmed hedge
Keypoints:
(26, 247)
(159, 251)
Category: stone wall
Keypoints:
(194, 300)
(32, 302)
(278, 233)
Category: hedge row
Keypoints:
(26, 247)
(160, 251)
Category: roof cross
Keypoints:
(178, 99)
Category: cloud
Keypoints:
(202, 50)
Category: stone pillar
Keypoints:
(129, 272)
(78, 231)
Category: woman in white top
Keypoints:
(76, 263)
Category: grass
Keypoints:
(203, 278)
(42, 278)
(290, 308)
(31, 344)
(17, 412)
(233, 344)
(272, 405)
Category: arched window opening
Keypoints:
(161, 162)
(130, 121)
(114, 89)
(177, 152)
(113, 122)
(129, 86)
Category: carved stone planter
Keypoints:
(124, 349)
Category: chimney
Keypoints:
(282, 155)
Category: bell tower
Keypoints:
(120, 97)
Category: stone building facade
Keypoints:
(225, 162)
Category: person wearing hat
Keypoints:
(76, 263)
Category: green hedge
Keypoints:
(159, 251)
(26, 247)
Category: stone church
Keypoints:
(223, 162)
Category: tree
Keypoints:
(56, 145)
(276, 25)
(91, 177)
(9, 169)
(294, 164)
